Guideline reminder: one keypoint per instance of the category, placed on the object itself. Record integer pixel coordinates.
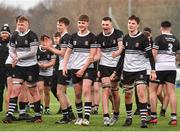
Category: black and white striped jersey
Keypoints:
(22, 43)
(109, 43)
(64, 41)
(81, 45)
(167, 46)
(44, 56)
(135, 48)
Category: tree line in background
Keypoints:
(43, 17)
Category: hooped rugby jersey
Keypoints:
(167, 46)
(135, 48)
(22, 43)
(64, 41)
(109, 43)
(81, 45)
(44, 56)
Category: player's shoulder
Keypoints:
(117, 31)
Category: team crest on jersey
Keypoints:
(25, 42)
(29, 78)
(35, 40)
(86, 75)
(74, 42)
(141, 76)
(48, 56)
(0, 44)
(103, 44)
(86, 43)
(137, 44)
(114, 41)
(15, 42)
(126, 44)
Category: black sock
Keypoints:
(153, 115)
(65, 113)
(129, 110)
(143, 111)
(70, 109)
(173, 116)
(79, 109)
(116, 114)
(106, 115)
(22, 107)
(12, 105)
(37, 109)
(87, 109)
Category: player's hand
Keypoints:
(79, 73)
(91, 59)
(114, 54)
(65, 71)
(14, 62)
(113, 76)
(98, 74)
(153, 75)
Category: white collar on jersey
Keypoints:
(112, 31)
(23, 34)
(167, 33)
(82, 35)
(41, 49)
(63, 34)
(133, 36)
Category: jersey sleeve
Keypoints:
(119, 36)
(70, 44)
(33, 39)
(156, 43)
(65, 41)
(94, 42)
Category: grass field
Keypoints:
(96, 120)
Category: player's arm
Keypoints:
(29, 54)
(50, 63)
(151, 57)
(119, 67)
(90, 59)
(119, 51)
(55, 51)
(120, 45)
(12, 52)
(66, 59)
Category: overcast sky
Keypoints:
(23, 4)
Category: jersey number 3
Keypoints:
(170, 46)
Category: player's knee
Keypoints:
(31, 85)
(106, 85)
(17, 83)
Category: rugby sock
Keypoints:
(173, 116)
(129, 110)
(79, 110)
(87, 107)
(153, 115)
(65, 113)
(22, 107)
(116, 115)
(143, 111)
(37, 109)
(12, 105)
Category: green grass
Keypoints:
(96, 120)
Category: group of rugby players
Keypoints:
(34, 67)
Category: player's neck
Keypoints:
(63, 33)
(83, 32)
(133, 33)
(166, 32)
